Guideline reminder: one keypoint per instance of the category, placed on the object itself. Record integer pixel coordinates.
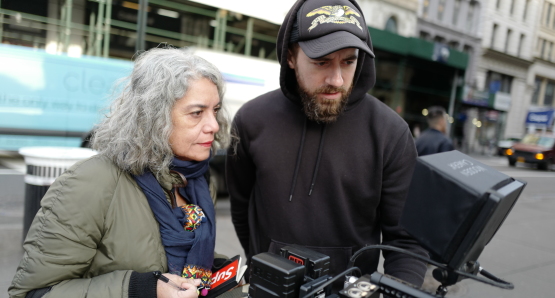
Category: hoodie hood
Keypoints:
(365, 74)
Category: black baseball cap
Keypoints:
(323, 27)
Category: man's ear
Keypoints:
(291, 59)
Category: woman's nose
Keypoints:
(211, 125)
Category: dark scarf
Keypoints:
(183, 247)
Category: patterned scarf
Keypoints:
(188, 232)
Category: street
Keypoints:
(522, 251)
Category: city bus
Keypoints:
(55, 100)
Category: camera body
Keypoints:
(298, 272)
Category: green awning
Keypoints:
(416, 47)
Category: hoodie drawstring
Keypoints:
(317, 166)
(298, 163)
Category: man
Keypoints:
(319, 162)
(433, 139)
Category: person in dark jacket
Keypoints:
(433, 139)
(319, 162)
(139, 212)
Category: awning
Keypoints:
(540, 118)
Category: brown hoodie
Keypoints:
(333, 187)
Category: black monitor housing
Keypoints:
(454, 207)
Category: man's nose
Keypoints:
(335, 77)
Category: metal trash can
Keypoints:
(44, 165)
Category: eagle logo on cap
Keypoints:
(337, 14)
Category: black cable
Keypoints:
(392, 248)
(332, 280)
(492, 280)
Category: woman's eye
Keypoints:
(216, 110)
(196, 113)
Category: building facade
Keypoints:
(455, 23)
(395, 16)
(541, 77)
(507, 57)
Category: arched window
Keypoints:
(391, 25)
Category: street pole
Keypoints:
(248, 37)
(91, 37)
(141, 25)
(451, 108)
(1, 22)
(107, 28)
(98, 41)
(217, 29)
(67, 29)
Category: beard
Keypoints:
(323, 110)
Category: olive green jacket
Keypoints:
(94, 228)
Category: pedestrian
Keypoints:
(319, 162)
(433, 139)
(110, 225)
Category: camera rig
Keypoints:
(469, 202)
(298, 272)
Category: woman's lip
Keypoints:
(206, 144)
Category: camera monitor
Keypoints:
(456, 204)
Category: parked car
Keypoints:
(534, 149)
(505, 144)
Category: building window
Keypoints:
(544, 48)
(549, 51)
(440, 9)
(548, 15)
(549, 92)
(453, 45)
(508, 40)
(470, 17)
(497, 4)
(468, 49)
(493, 35)
(391, 25)
(439, 39)
(526, 3)
(537, 87)
(520, 44)
(425, 9)
(425, 35)
(498, 82)
(512, 6)
(456, 11)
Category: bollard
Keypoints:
(44, 165)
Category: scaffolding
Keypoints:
(94, 38)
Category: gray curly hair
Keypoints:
(135, 133)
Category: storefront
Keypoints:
(485, 116)
(413, 74)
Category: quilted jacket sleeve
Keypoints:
(63, 237)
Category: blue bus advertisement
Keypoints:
(52, 100)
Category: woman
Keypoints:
(110, 224)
